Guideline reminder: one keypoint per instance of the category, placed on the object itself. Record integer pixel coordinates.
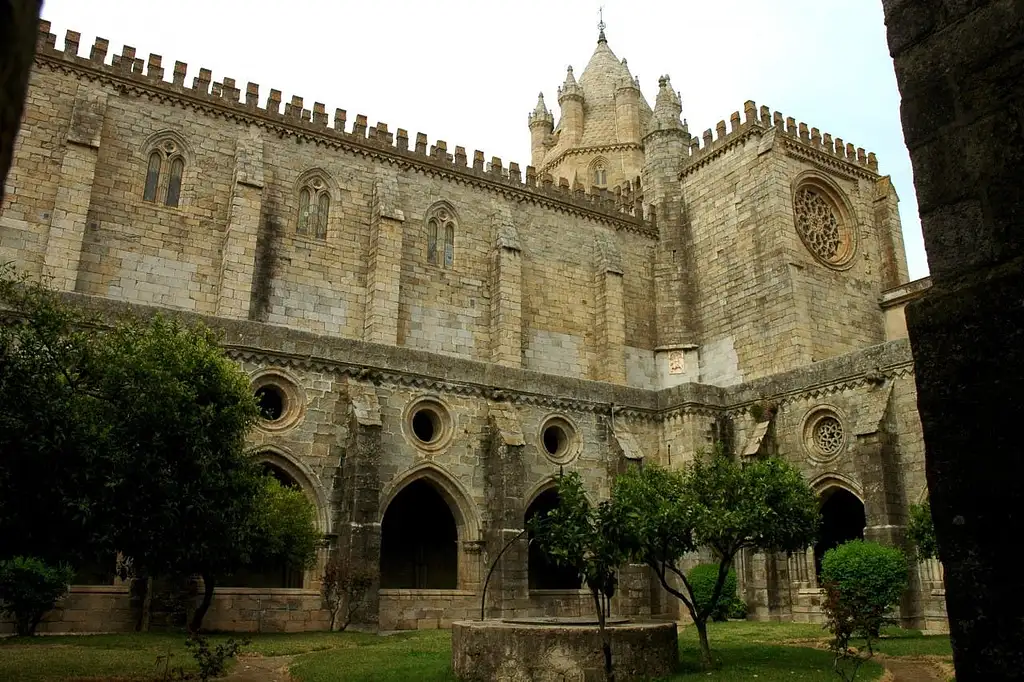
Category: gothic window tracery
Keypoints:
(825, 227)
(314, 207)
(166, 159)
(441, 237)
(599, 173)
(817, 223)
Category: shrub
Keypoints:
(702, 579)
(343, 588)
(30, 587)
(861, 583)
(738, 609)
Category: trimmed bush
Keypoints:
(865, 580)
(30, 587)
(702, 579)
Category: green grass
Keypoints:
(771, 651)
(422, 656)
(135, 656)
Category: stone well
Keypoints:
(563, 649)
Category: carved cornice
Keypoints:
(797, 149)
(138, 85)
(389, 377)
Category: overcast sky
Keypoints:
(468, 71)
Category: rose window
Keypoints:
(818, 225)
(828, 435)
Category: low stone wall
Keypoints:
(109, 608)
(86, 608)
(245, 609)
(426, 609)
(497, 651)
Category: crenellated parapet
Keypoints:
(148, 78)
(798, 138)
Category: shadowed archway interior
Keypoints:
(419, 541)
(842, 520)
(544, 573)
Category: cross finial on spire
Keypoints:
(601, 25)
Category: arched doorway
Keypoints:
(543, 572)
(842, 520)
(419, 541)
(279, 573)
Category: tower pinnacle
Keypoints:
(601, 25)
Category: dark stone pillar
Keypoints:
(959, 69)
(358, 494)
(504, 475)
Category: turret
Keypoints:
(570, 100)
(627, 109)
(541, 124)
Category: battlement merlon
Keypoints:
(763, 119)
(149, 74)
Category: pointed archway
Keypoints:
(419, 540)
(842, 519)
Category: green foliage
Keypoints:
(861, 583)
(285, 526)
(715, 502)
(921, 531)
(29, 587)
(585, 538)
(703, 578)
(52, 428)
(211, 662)
(574, 535)
(131, 438)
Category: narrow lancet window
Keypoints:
(322, 209)
(304, 196)
(432, 241)
(152, 176)
(174, 182)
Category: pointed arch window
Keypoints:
(600, 173)
(165, 171)
(441, 237)
(152, 176)
(174, 182)
(314, 207)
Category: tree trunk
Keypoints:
(197, 617)
(19, 22)
(606, 639)
(147, 605)
(705, 647)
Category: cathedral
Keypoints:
(433, 336)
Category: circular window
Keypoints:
(824, 434)
(271, 401)
(558, 440)
(279, 398)
(823, 226)
(428, 424)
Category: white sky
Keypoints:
(468, 71)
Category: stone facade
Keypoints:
(438, 329)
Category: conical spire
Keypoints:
(667, 108)
(570, 87)
(540, 113)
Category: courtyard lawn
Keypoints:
(138, 656)
(771, 651)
